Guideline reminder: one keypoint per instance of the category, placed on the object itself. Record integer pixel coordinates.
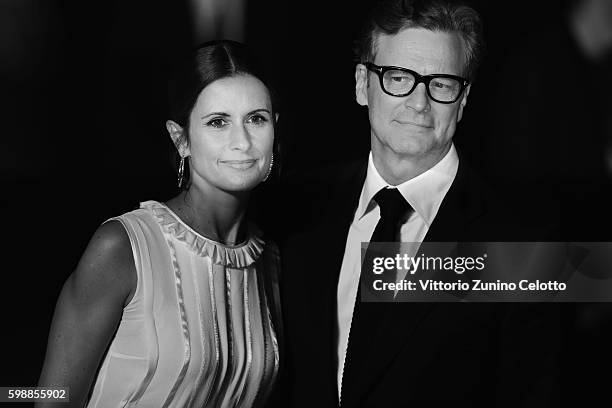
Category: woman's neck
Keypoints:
(218, 215)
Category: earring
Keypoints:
(269, 168)
(181, 172)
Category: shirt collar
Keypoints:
(424, 192)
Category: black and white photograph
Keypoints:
(248, 203)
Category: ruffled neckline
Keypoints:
(236, 256)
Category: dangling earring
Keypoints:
(269, 168)
(181, 172)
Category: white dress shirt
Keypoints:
(424, 193)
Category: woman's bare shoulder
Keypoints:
(107, 266)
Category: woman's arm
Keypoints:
(88, 312)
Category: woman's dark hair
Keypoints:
(207, 63)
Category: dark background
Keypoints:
(82, 102)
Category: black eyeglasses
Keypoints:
(398, 81)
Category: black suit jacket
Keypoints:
(404, 354)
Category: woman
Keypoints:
(176, 304)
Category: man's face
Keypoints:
(414, 126)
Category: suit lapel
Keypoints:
(462, 205)
(333, 231)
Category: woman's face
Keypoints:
(231, 133)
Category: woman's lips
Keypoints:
(239, 164)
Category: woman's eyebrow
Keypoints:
(224, 114)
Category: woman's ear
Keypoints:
(179, 138)
(276, 118)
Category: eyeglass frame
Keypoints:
(426, 79)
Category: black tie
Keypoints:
(393, 209)
(393, 206)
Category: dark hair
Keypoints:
(207, 63)
(392, 16)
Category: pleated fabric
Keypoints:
(201, 328)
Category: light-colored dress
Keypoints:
(201, 328)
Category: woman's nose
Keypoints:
(240, 138)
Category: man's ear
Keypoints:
(463, 102)
(179, 138)
(361, 84)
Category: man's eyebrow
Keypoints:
(223, 114)
(260, 110)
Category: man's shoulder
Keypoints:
(316, 194)
(326, 174)
(493, 214)
(326, 184)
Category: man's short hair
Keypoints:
(392, 16)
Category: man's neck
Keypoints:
(395, 169)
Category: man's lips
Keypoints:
(239, 164)
(409, 122)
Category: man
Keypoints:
(415, 67)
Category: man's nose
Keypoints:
(418, 99)
(240, 138)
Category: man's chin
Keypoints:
(405, 146)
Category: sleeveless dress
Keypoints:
(201, 328)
